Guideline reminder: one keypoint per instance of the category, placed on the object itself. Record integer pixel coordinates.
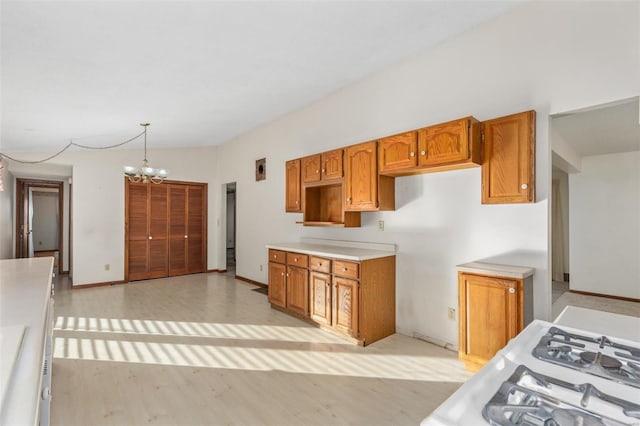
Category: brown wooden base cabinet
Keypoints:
(493, 310)
(354, 299)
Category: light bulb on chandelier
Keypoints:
(145, 173)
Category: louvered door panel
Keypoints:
(138, 231)
(195, 229)
(177, 229)
(158, 231)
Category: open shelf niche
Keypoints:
(324, 206)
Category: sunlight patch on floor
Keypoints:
(388, 366)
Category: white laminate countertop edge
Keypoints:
(333, 251)
(606, 323)
(484, 268)
(25, 293)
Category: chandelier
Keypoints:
(145, 173)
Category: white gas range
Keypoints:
(554, 374)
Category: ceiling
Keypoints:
(602, 130)
(202, 72)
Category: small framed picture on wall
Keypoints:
(261, 169)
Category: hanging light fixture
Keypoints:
(145, 173)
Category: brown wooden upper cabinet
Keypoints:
(398, 152)
(293, 200)
(456, 141)
(447, 146)
(364, 189)
(325, 166)
(508, 168)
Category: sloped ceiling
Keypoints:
(201, 72)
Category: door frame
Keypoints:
(22, 210)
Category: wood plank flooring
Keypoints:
(206, 350)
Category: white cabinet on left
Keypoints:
(26, 292)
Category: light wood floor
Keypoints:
(206, 349)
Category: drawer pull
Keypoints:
(295, 259)
(283, 274)
(275, 256)
(345, 269)
(319, 263)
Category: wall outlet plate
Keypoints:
(381, 225)
(452, 313)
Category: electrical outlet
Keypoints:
(381, 225)
(452, 314)
(260, 268)
(107, 266)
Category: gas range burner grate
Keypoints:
(599, 356)
(533, 399)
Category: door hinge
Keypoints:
(377, 204)
(482, 136)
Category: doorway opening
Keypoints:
(39, 219)
(231, 229)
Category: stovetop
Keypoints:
(534, 399)
(551, 375)
(574, 395)
(600, 356)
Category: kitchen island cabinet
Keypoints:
(350, 288)
(494, 303)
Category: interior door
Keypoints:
(138, 231)
(177, 229)
(158, 231)
(195, 229)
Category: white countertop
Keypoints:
(494, 269)
(25, 292)
(606, 323)
(346, 250)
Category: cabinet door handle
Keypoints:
(186, 236)
(328, 285)
(150, 237)
(512, 290)
(412, 154)
(524, 186)
(283, 274)
(287, 274)
(322, 170)
(348, 199)
(423, 152)
(317, 171)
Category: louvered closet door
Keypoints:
(177, 229)
(158, 231)
(195, 229)
(138, 227)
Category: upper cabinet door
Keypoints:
(293, 202)
(361, 177)
(332, 164)
(508, 168)
(398, 152)
(445, 143)
(311, 168)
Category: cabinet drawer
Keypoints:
(346, 269)
(297, 259)
(320, 264)
(278, 256)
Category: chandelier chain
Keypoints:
(72, 143)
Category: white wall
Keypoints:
(6, 215)
(551, 57)
(45, 220)
(98, 203)
(605, 225)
